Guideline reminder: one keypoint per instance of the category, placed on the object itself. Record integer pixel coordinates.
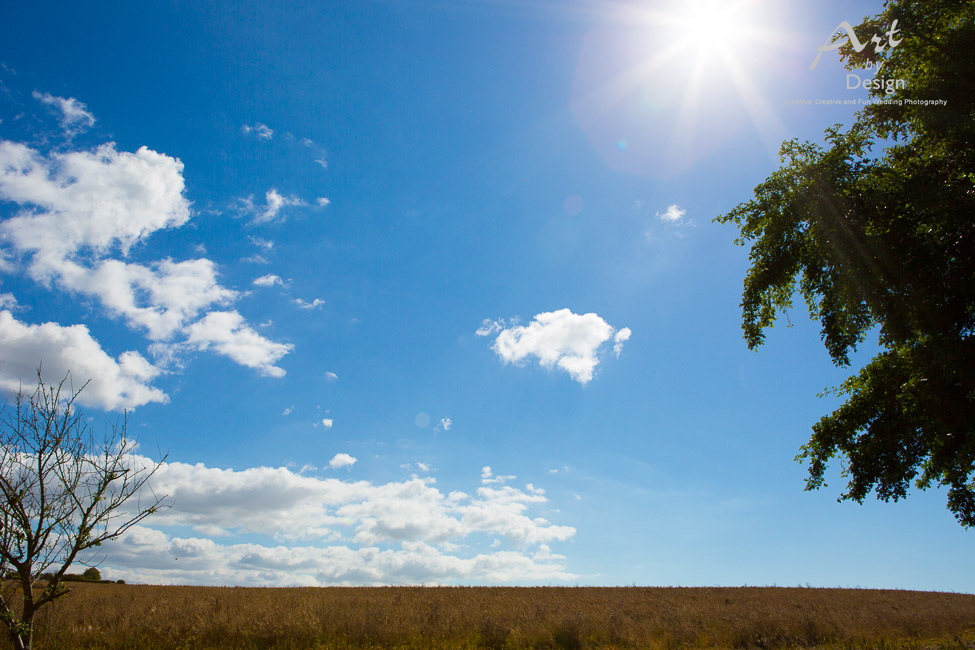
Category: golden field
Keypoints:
(110, 616)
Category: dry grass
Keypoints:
(112, 617)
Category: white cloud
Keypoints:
(423, 467)
(488, 477)
(327, 423)
(160, 298)
(145, 555)
(82, 206)
(228, 334)
(350, 532)
(264, 244)
(115, 384)
(75, 116)
(489, 327)
(268, 280)
(289, 410)
(621, 336)
(673, 214)
(275, 201)
(93, 200)
(304, 304)
(560, 338)
(322, 162)
(331, 376)
(262, 131)
(341, 459)
(8, 300)
(323, 201)
(444, 425)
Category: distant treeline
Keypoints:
(91, 574)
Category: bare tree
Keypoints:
(62, 492)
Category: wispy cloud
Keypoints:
(672, 214)
(262, 131)
(264, 244)
(275, 202)
(489, 327)
(621, 337)
(75, 116)
(304, 304)
(488, 477)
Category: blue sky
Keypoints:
(430, 292)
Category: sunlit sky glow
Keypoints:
(429, 292)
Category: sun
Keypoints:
(664, 82)
(716, 30)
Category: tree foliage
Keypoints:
(63, 491)
(876, 231)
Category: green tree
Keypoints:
(92, 574)
(63, 491)
(876, 231)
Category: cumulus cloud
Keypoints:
(160, 298)
(75, 117)
(93, 200)
(341, 459)
(268, 280)
(262, 131)
(116, 384)
(327, 423)
(79, 209)
(331, 376)
(323, 201)
(227, 334)
(672, 214)
(560, 339)
(81, 206)
(350, 532)
(444, 425)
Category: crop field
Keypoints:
(109, 617)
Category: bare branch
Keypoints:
(62, 492)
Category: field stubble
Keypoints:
(116, 617)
